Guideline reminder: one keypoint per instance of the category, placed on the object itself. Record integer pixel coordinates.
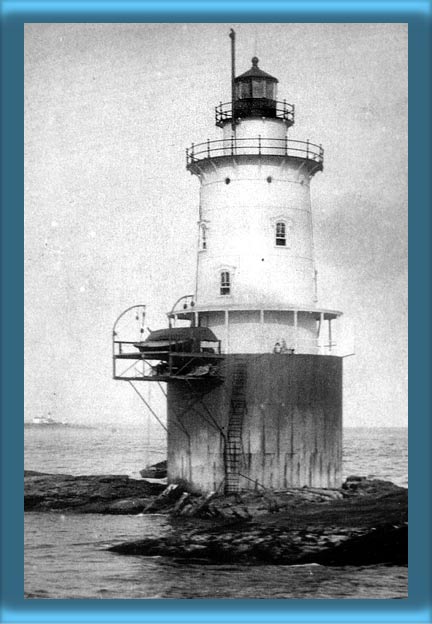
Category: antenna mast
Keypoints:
(232, 37)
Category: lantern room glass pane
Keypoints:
(258, 88)
(247, 90)
(271, 90)
(243, 90)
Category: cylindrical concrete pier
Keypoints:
(275, 421)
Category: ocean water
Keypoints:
(65, 555)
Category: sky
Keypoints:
(111, 212)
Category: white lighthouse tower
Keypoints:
(263, 408)
(256, 277)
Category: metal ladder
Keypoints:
(233, 444)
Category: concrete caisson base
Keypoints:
(283, 415)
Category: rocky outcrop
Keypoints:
(113, 494)
(363, 523)
(251, 544)
(155, 471)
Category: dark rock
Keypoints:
(187, 510)
(33, 502)
(155, 471)
(363, 523)
(166, 498)
(354, 479)
(83, 494)
(385, 544)
(129, 506)
(362, 486)
(182, 501)
(366, 525)
(202, 504)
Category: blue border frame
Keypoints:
(417, 608)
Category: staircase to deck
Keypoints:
(233, 447)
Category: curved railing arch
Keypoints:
(188, 303)
(120, 316)
(115, 342)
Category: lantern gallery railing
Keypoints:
(255, 146)
(266, 108)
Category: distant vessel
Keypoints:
(45, 420)
(48, 419)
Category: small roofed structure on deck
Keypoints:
(160, 343)
(172, 352)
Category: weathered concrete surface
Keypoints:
(291, 427)
(111, 494)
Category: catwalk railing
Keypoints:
(276, 110)
(259, 146)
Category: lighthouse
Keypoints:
(254, 382)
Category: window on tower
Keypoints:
(225, 283)
(203, 237)
(281, 234)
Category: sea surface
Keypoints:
(65, 555)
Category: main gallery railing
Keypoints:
(234, 146)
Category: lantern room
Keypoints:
(254, 95)
(255, 84)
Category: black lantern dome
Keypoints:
(255, 93)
